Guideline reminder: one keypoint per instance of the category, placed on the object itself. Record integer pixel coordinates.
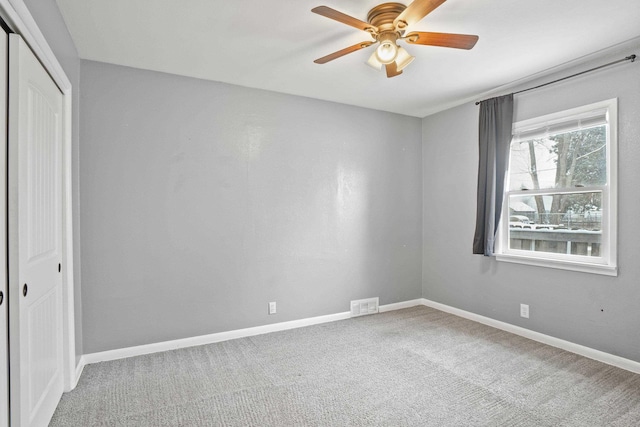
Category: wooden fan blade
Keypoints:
(345, 19)
(458, 41)
(392, 70)
(342, 52)
(416, 11)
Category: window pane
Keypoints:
(556, 223)
(565, 160)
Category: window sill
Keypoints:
(606, 270)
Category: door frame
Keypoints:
(4, 272)
(16, 15)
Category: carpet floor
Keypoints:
(410, 367)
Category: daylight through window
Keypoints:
(559, 207)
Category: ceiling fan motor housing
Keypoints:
(383, 15)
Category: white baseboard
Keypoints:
(79, 368)
(122, 353)
(601, 356)
(400, 305)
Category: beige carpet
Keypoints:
(412, 367)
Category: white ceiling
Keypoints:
(272, 44)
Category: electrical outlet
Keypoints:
(524, 310)
(272, 307)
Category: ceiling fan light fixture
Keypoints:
(403, 59)
(373, 62)
(387, 51)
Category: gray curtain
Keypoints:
(496, 120)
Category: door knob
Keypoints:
(1, 297)
(24, 290)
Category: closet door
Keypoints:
(4, 300)
(35, 239)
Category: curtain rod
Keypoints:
(631, 58)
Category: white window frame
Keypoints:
(606, 263)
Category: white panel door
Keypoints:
(4, 301)
(35, 239)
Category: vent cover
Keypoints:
(364, 306)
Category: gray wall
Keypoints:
(593, 310)
(202, 202)
(49, 20)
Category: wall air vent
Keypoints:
(364, 306)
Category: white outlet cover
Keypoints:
(272, 307)
(524, 311)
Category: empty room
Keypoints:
(320, 213)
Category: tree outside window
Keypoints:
(560, 197)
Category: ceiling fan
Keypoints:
(386, 23)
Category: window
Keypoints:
(560, 200)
